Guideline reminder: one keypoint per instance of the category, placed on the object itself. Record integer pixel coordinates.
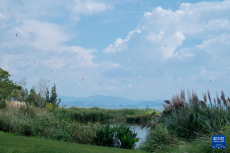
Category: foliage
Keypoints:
(2, 103)
(11, 143)
(104, 136)
(137, 118)
(7, 87)
(188, 121)
(49, 105)
(41, 122)
(52, 98)
(96, 114)
(159, 139)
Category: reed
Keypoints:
(189, 120)
(101, 115)
(40, 122)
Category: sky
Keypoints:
(135, 49)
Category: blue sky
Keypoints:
(118, 46)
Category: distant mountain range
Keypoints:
(108, 101)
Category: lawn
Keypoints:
(10, 143)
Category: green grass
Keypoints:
(198, 146)
(96, 114)
(10, 143)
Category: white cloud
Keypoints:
(44, 36)
(164, 31)
(182, 42)
(87, 7)
(43, 10)
(32, 45)
(110, 65)
(119, 44)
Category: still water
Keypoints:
(153, 108)
(141, 133)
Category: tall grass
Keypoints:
(71, 125)
(189, 120)
(43, 123)
(101, 115)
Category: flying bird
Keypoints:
(82, 79)
(16, 35)
(176, 77)
(51, 71)
(165, 45)
(62, 79)
(158, 70)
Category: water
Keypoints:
(153, 108)
(141, 133)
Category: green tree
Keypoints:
(7, 87)
(32, 96)
(47, 95)
(53, 97)
(40, 100)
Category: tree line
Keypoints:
(10, 90)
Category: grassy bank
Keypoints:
(20, 144)
(189, 126)
(96, 114)
(202, 144)
(58, 124)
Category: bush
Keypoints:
(104, 136)
(158, 139)
(137, 118)
(188, 120)
(2, 104)
(40, 122)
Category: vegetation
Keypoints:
(101, 115)
(182, 126)
(104, 136)
(40, 122)
(7, 87)
(10, 143)
(183, 122)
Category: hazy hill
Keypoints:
(108, 101)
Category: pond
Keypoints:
(141, 133)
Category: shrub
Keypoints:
(137, 118)
(104, 136)
(2, 103)
(46, 124)
(158, 139)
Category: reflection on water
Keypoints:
(141, 133)
(72, 105)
